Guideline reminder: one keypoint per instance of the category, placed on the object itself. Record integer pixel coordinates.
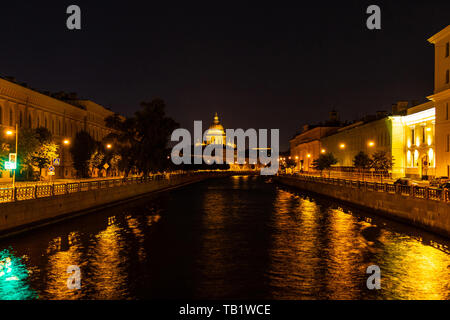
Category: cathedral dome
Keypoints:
(216, 133)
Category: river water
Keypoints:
(231, 238)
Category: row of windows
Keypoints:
(55, 128)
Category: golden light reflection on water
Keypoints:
(108, 263)
(314, 244)
(415, 271)
(59, 259)
(133, 224)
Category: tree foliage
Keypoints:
(362, 161)
(82, 149)
(142, 140)
(35, 149)
(324, 162)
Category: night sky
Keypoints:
(258, 64)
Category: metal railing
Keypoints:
(410, 191)
(37, 191)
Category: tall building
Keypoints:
(441, 99)
(63, 115)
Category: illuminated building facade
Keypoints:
(63, 117)
(441, 99)
(307, 146)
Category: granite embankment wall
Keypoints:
(432, 215)
(20, 216)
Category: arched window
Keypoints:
(45, 122)
(1, 115)
(29, 122)
(21, 119)
(37, 122)
(10, 117)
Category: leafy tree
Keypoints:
(382, 162)
(47, 150)
(362, 162)
(288, 164)
(82, 149)
(324, 162)
(141, 141)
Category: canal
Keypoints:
(230, 238)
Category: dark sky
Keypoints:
(258, 64)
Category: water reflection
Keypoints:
(227, 238)
(13, 278)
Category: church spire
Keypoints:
(216, 119)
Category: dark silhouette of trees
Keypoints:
(142, 140)
(362, 162)
(82, 149)
(324, 162)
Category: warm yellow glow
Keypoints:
(289, 158)
(428, 129)
(66, 142)
(408, 158)
(342, 146)
(419, 117)
(417, 141)
(9, 133)
(371, 143)
(429, 140)
(416, 156)
(308, 155)
(296, 158)
(323, 151)
(409, 143)
(108, 146)
(430, 155)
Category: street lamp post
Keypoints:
(9, 133)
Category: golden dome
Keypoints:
(216, 124)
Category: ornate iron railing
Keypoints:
(410, 191)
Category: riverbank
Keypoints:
(429, 211)
(61, 202)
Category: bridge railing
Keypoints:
(409, 191)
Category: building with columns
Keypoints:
(63, 115)
(441, 99)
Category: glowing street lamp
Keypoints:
(323, 151)
(342, 146)
(371, 144)
(109, 146)
(66, 142)
(308, 155)
(10, 133)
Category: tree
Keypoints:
(288, 164)
(362, 162)
(82, 149)
(324, 162)
(47, 150)
(141, 141)
(382, 162)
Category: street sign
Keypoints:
(10, 165)
(51, 169)
(106, 166)
(13, 157)
(56, 162)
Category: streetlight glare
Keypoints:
(9, 133)
(371, 143)
(109, 146)
(66, 142)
